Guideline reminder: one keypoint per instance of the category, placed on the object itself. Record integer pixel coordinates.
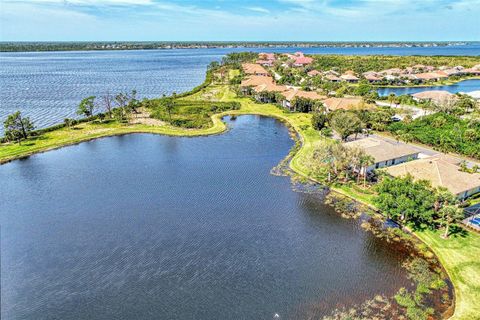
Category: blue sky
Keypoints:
(223, 20)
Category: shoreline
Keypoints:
(300, 124)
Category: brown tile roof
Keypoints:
(439, 172)
(343, 103)
(270, 87)
(430, 75)
(253, 68)
(436, 96)
(383, 150)
(332, 77)
(313, 73)
(293, 93)
(348, 76)
(253, 81)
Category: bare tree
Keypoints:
(107, 101)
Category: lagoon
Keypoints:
(144, 226)
(462, 86)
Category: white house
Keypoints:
(384, 152)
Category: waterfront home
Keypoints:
(440, 173)
(347, 103)
(386, 153)
(293, 93)
(431, 76)
(475, 71)
(436, 96)
(254, 69)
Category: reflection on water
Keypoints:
(462, 86)
(154, 227)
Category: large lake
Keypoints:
(154, 227)
(47, 86)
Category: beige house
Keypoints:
(254, 69)
(441, 173)
(384, 152)
(436, 96)
(296, 93)
(332, 104)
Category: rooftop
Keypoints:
(343, 103)
(383, 150)
(440, 173)
(253, 68)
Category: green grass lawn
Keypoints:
(459, 256)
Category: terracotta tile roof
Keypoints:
(293, 93)
(303, 60)
(434, 95)
(431, 75)
(439, 172)
(253, 81)
(383, 150)
(313, 73)
(343, 103)
(270, 87)
(332, 77)
(372, 77)
(253, 68)
(349, 77)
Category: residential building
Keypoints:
(254, 69)
(347, 103)
(384, 152)
(440, 173)
(297, 93)
(436, 96)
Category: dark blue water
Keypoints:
(462, 86)
(153, 227)
(47, 86)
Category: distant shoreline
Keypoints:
(10, 46)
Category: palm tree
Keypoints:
(391, 98)
(365, 161)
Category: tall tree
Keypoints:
(345, 123)
(406, 200)
(169, 104)
(86, 106)
(17, 127)
(107, 100)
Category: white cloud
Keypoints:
(258, 9)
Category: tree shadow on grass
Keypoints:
(457, 231)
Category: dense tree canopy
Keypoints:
(444, 132)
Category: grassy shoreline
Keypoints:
(459, 256)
